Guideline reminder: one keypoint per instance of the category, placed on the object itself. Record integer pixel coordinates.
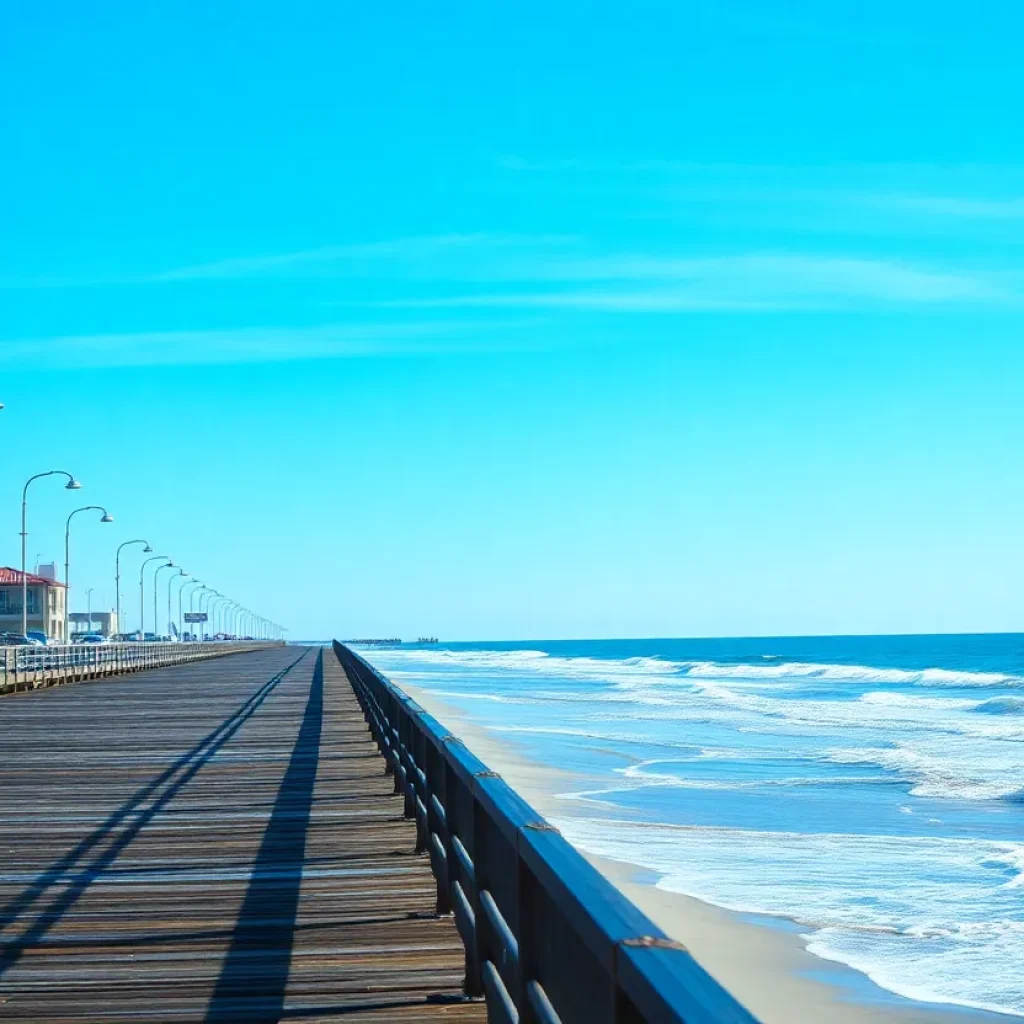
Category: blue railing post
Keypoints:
(437, 826)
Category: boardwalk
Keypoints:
(213, 842)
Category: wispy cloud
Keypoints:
(416, 255)
(237, 345)
(777, 275)
(748, 282)
(952, 206)
(942, 192)
(650, 300)
(557, 272)
(343, 259)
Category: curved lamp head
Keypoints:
(72, 485)
(147, 550)
(107, 518)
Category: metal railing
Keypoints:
(549, 940)
(24, 668)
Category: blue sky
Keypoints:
(525, 320)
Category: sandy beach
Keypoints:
(762, 960)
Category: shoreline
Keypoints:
(761, 959)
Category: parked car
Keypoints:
(92, 638)
(39, 637)
(16, 640)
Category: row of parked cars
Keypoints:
(36, 638)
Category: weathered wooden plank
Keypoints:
(213, 842)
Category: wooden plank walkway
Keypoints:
(213, 842)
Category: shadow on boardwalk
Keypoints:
(252, 982)
(73, 873)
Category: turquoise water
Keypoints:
(871, 788)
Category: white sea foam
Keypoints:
(642, 774)
(939, 745)
(1002, 706)
(896, 908)
(933, 918)
(851, 673)
(947, 767)
(530, 662)
(540, 662)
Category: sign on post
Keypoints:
(196, 617)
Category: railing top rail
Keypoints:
(660, 977)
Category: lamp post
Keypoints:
(170, 620)
(192, 604)
(228, 618)
(156, 575)
(71, 485)
(142, 594)
(215, 603)
(218, 605)
(147, 550)
(225, 617)
(88, 605)
(105, 518)
(208, 596)
(181, 590)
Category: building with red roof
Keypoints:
(46, 599)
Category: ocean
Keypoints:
(869, 788)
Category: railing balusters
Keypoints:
(26, 668)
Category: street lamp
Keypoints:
(209, 596)
(190, 583)
(228, 617)
(212, 609)
(88, 605)
(147, 550)
(156, 574)
(71, 485)
(225, 617)
(142, 594)
(192, 606)
(218, 605)
(105, 518)
(179, 574)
